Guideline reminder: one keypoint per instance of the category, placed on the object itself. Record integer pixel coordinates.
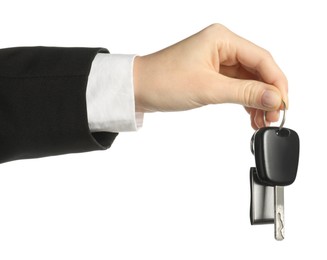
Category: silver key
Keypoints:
(267, 205)
(279, 222)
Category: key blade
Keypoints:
(279, 212)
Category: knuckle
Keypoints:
(267, 53)
(214, 33)
(248, 93)
(217, 28)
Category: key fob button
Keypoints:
(284, 132)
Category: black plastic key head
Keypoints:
(276, 154)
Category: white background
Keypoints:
(179, 187)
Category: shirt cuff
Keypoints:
(110, 94)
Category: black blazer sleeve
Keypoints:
(43, 103)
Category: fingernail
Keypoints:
(270, 99)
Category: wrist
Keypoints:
(137, 76)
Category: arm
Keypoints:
(42, 90)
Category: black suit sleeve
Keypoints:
(43, 103)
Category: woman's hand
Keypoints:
(211, 67)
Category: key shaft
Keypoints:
(279, 213)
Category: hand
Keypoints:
(211, 67)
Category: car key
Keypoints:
(276, 151)
(279, 213)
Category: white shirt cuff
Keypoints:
(110, 94)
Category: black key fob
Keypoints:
(276, 151)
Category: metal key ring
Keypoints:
(283, 120)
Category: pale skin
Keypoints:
(213, 66)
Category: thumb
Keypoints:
(252, 93)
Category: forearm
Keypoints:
(42, 103)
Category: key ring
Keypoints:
(283, 120)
